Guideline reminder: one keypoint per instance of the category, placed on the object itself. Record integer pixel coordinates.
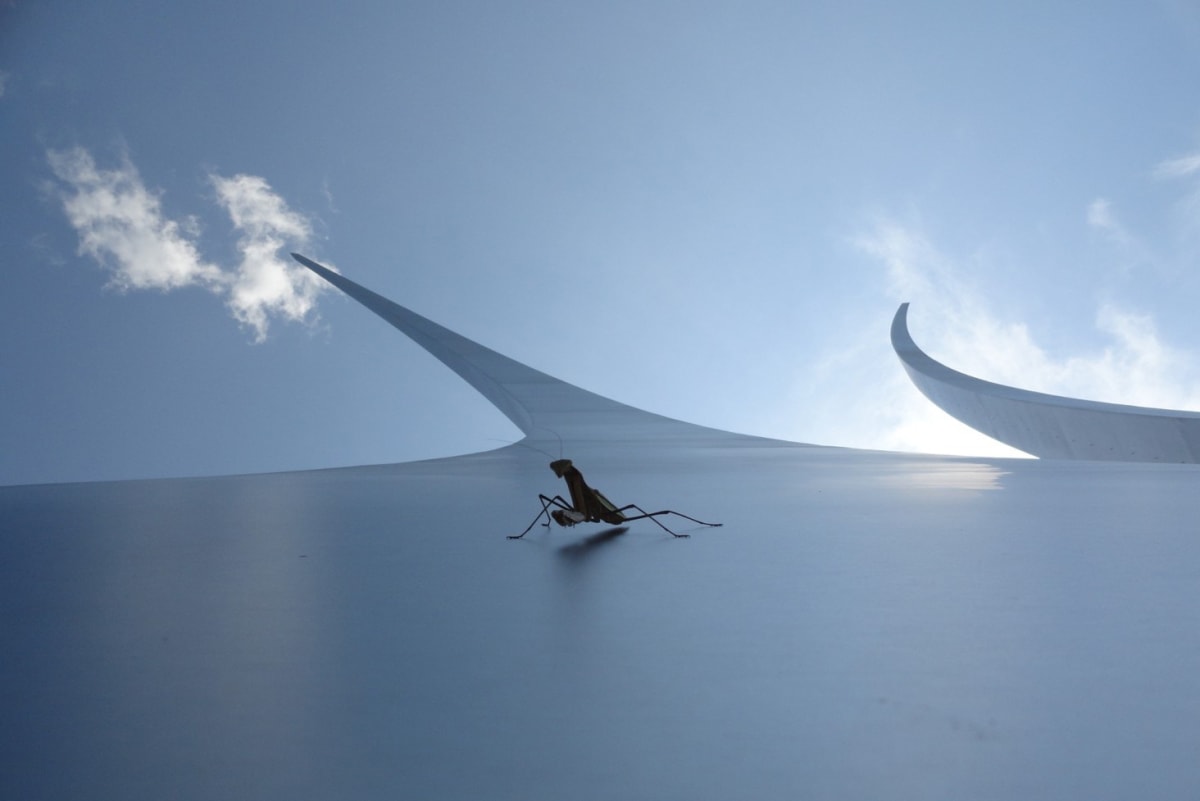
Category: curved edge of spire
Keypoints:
(540, 405)
(1049, 426)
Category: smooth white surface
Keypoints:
(866, 625)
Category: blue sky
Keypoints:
(708, 210)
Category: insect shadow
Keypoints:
(578, 550)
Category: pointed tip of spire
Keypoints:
(319, 269)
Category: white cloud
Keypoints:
(325, 190)
(1131, 252)
(266, 283)
(121, 224)
(1100, 216)
(1179, 167)
(1137, 367)
(1186, 213)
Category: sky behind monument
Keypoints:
(710, 211)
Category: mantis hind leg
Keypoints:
(653, 517)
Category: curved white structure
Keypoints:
(865, 625)
(1049, 426)
(545, 408)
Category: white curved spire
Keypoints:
(1049, 426)
(542, 406)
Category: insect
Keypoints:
(588, 505)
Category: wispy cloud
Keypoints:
(1186, 216)
(1130, 251)
(325, 190)
(121, 224)
(1134, 365)
(3, 82)
(1178, 167)
(1102, 218)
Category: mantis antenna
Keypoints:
(558, 437)
(539, 450)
